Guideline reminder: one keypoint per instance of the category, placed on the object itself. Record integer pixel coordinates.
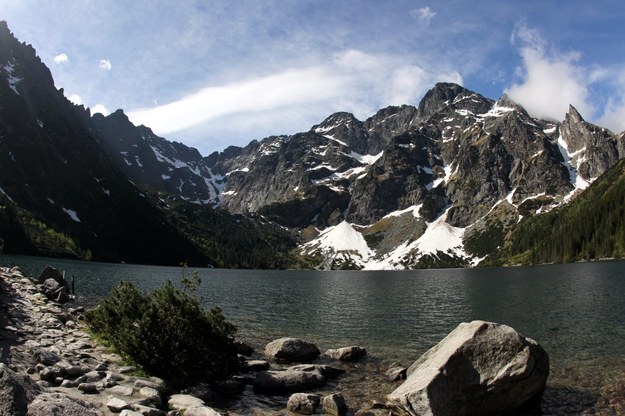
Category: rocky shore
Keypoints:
(49, 365)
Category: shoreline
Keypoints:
(25, 314)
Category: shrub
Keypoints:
(168, 333)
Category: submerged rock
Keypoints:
(353, 353)
(479, 368)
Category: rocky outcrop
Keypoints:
(479, 368)
(292, 350)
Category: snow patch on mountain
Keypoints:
(72, 214)
(439, 237)
(341, 240)
(577, 181)
(11, 78)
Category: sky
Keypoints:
(216, 73)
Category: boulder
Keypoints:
(116, 405)
(291, 350)
(334, 405)
(289, 381)
(16, 391)
(352, 353)
(59, 404)
(303, 403)
(479, 368)
(52, 273)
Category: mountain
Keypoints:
(62, 194)
(591, 227)
(456, 181)
(155, 162)
(434, 185)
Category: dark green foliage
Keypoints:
(233, 241)
(168, 333)
(590, 227)
(24, 233)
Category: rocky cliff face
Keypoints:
(154, 162)
(52, 167)
(452, 161)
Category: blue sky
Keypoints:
(217, 73)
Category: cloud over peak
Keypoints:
(61, 58)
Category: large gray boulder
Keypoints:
(292, 350)
(16, 391)
(479, 368)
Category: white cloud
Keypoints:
(551, 81)
(104, 65)
(613, 116)
(75, 98)
(424, 15)
(352, 81)
(61, 59)
(99, 108)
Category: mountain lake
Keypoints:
(575, 311)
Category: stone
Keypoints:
(46, 357)
(51, 273)
(291, 350)
(59, 404)
(334, 405)
(151, 394)
(16, 391)
(155, 384)
(396, 373)
(288, 381)
(116, 405)
(201, 411)
(479, 368)
(88, 388)
(303, 403)
(353, 353)
(121, 390)
(254, 365)
(146, 410)
(184, 401)
(326, 370)
(128, 412)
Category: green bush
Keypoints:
(167, 333)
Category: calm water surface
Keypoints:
(576, 311)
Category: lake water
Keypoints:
(576, 311)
